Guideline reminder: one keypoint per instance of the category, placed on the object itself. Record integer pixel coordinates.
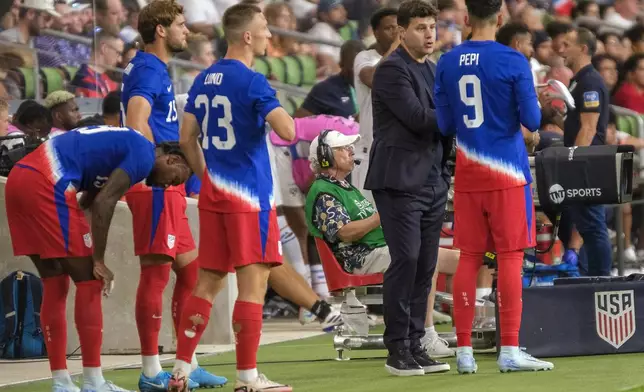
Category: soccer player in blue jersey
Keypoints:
(162, 237)
(228, 106)
(484, 93)
(48, 225)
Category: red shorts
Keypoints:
(501, 220)
(229, 241)
(159, 221)
(44, 219)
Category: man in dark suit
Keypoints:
(409, 181)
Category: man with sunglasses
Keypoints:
(91, 80)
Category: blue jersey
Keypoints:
(484, 92)
(85, 157)
(147, 76)
(193, 185)
(231, 102)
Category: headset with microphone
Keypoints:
(325, 152)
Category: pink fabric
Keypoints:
(13, 129)
(307, 128)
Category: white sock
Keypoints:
(430, 331)
(61, 376)
(482, 292)
(151, 365)
(464, 350)
(93, 376)
(194, 364)
(182, 366)
(512, 350)
(319, 281)
(248, 376)
(292, 250)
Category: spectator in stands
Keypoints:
(109, 15)
(112, 109)
(34, 15)
(531, 17)
(636, 37)
(586, 8)
(542, 44)
(130, 31)
(613, 45)
(56, 52)
(201, 53)
(332, 16)
(90, 80)
(340, 215)
(335, 96)
(4, 117)
(202, 16)
(31, 119)
(606, 65)
(281, 15)
(65, 114)
(9, 14)
(630, 92)
(625, 14)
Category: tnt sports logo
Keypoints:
(557, 194)
(615, 316)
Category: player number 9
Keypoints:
(474, 101)
(222, 122)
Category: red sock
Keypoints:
(88, 314)
(186, 282)
(149, 305)
(247, 325)
(194, 319)
(54, 321)
(510, 291)
(464, 293)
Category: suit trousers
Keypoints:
(411, 223)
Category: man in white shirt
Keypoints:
(332, 16)
(385, 29)
(625, 14)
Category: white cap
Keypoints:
(76, 6)
(334, 139)
(41, 5)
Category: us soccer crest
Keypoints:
(171, 240)
(615, 316)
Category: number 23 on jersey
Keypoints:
(224, 122)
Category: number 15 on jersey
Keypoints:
(223, 122)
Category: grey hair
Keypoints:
(315, 165)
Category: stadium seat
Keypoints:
(261, 66)
(296, 102)
(309, 69)
(293, 70)
(288, 105)
(53, 79)
(69, 72)
(277, 68)
(338, 279)
(25, 79)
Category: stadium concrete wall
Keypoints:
(119, 326)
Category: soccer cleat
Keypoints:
(436, 346)
(261, 384)
(205, 379)
(108, 386)
(465, 362)
(332, 320)
(64, 387)
(515, 360)
(159, 383)
(306, 317)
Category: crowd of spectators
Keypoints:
(107, 39)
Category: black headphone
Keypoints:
(325, 152)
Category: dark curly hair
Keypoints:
(171, 148)
(410, 9)
(507, 33)
(483, 9)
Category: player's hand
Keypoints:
(101, 272)
(532, 141)
(547, 97)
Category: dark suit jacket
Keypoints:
(406, 138)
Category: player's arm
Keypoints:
(443, 114)
(393, 87)
(282, 123)
(266, 103)
(103, 209)
(524, 90)
(365, 70)
(189, 142)
(137, 116)
(588, 114)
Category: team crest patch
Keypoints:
(87, 239)
(591, 99)
(171, 240)
(615, 316)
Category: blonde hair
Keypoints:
(195, 42)
(58, 98)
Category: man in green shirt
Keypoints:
(338, 213)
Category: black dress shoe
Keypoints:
(428, 364)
(402, 363)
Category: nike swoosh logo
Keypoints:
(160, 386)
(169, 88)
